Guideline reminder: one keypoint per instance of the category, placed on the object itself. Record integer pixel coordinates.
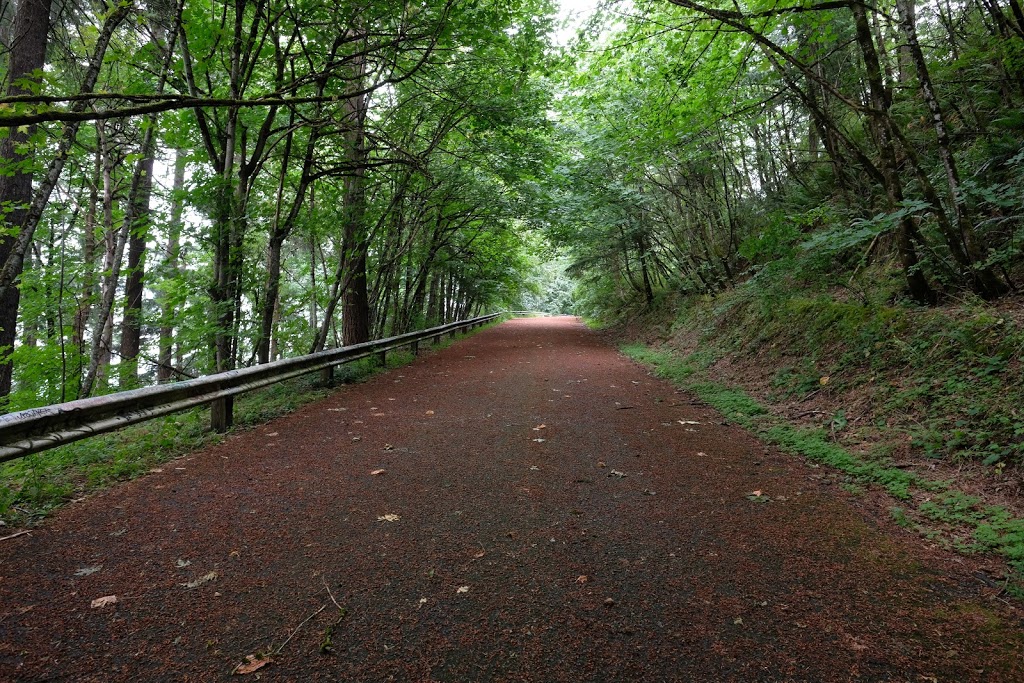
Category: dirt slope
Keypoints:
(494, 546)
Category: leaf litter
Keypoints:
(205, 578)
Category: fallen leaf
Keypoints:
(388, 518)
(252, 663)
(477, 556)
(422, 602)
(103, 602)
(648, 492)
(688, 422)
(738, 621)
(755, 493)
(86, 571)
(582, 578)
(463, 589)
(824, 380)
(430, 412)
(856, 645)
(181, 564)
(539, 427)
(608, 602)
(616, 473)
(272, 434)
(539, 440)
(600, 463)
(377, 472)
(388, 447)
(205, 578)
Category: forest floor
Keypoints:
(528, 505)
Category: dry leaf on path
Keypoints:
(377, 472)
(539, 440)
(103, 602)
(86, 571)
(388, 518)
(252, 663)
(688, 422)
(430, 412)
(539, 427)
(463, 589)
(616, 473)
(205, 578)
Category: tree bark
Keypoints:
(28, 55)
(917, 284)
(167, 312)
(965, 244)
(355, 315)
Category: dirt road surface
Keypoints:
(526, 505)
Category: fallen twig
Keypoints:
(297, 628)
(331, 595)
(16, 534)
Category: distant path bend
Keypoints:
(546, 512)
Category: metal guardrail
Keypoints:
(38, 429)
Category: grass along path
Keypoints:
(932, 507)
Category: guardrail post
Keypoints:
(327, 375)
(382, 359)
(222, 414)
(414, 348)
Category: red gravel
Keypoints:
(571, 573)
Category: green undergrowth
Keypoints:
(33, 486)
(989, 528)
(949, 378)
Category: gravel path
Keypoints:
(526, 505)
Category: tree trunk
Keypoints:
(138, 231)
(165, 370)
(115, 241)
(965, 243)
(917, 284)
(28, 56)
(355, 316)
(85, 298)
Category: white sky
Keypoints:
(571, 15)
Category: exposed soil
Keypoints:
(502, 542)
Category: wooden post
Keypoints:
(222, 414)
(415, 348)
(327, 376)
(382, 359)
